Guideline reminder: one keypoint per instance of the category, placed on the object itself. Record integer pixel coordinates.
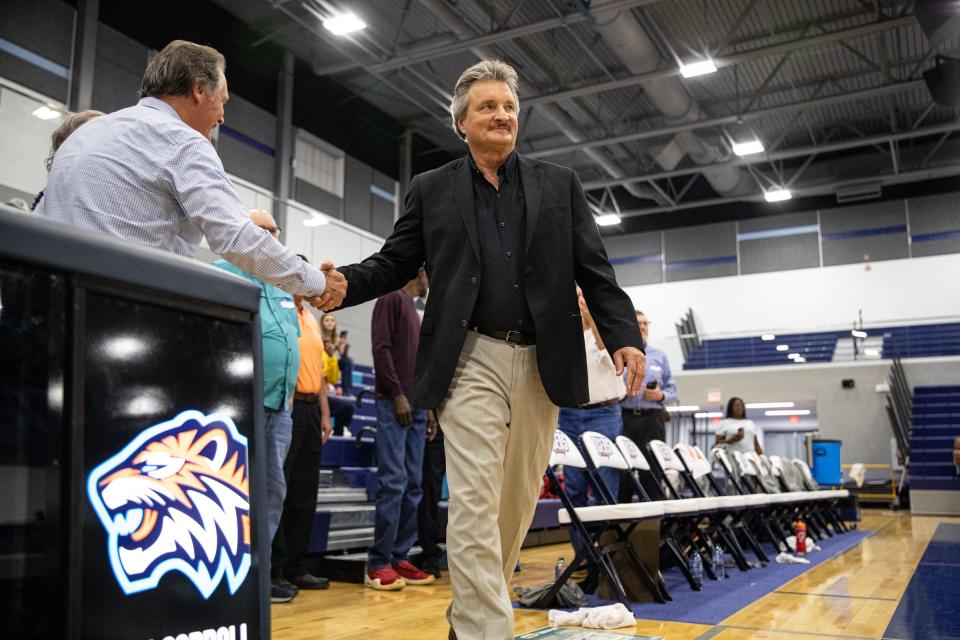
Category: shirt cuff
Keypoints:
(315, 281)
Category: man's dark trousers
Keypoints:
(428, 513)
(302, 472)
(641, 426)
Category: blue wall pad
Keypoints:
(928, 609)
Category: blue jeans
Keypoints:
(573, 422)
(278, 432)
(399, 474)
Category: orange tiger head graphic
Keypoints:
(177, 498)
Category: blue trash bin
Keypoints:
(826, 462)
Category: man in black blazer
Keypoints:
(505, 241)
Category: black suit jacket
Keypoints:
(439, 228)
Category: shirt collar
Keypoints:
(506, 171)
(159, 105)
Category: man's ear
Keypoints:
(197, 92)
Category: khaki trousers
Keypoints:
(498, 427)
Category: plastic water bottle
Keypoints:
(718, 567)
(696, 568)
(800, 531)
(561, 565)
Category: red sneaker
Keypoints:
(385, 579)
(411, 575)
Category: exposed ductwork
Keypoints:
(557, 115)
(629, 42)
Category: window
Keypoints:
(319, 163)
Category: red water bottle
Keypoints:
(800, 531)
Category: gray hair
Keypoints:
(181, 66)
(483, 70)
(70, 124)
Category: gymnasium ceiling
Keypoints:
(832, 89)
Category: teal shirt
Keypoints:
(281, 349)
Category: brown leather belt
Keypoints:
(512, 337)
(605, 403)
(309, 398)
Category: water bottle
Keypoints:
(696, 568)
(718, 567)
(800, 531)
(561, 565)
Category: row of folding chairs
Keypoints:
(756, 500)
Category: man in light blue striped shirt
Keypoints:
(643, 413)
(149, 174)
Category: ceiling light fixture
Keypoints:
(767, 337)
(608, 219)
(787, 412)
(315, 220)
(777, 195)
(697, 68)
(46, 113)
(343, 24)
(856, 333)
(783, 347)
(770, 405)
(711, 414)
(684, 408)
(747, 147)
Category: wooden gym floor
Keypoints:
(851, 596)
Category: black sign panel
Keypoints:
(168, 543)
(32, 591)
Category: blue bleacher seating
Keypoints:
(936, 421)
(913, 341)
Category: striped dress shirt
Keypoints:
(143, 175)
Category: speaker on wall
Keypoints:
(939, 19)
(943, 81)
(848, 383)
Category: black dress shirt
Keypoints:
(501, 223)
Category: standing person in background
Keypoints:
(735, 431)
(602, 414)
(401, 432)
(70, 123)
(311, 429)
(340, 408)
(342, 351)
(281, 362)
(643, 414)
(339, 347)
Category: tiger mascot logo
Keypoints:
(177, 498)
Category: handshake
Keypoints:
(335, 291)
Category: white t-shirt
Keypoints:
(602, 376)
(728, 428)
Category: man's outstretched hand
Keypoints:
(633, 360)
(332, 297)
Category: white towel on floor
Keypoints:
(786, 558)
(611, 616)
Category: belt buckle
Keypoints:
(513, 340)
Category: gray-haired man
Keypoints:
(149, 174)
(504, 239)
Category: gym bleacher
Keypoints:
(911, 341)
(936, 416)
